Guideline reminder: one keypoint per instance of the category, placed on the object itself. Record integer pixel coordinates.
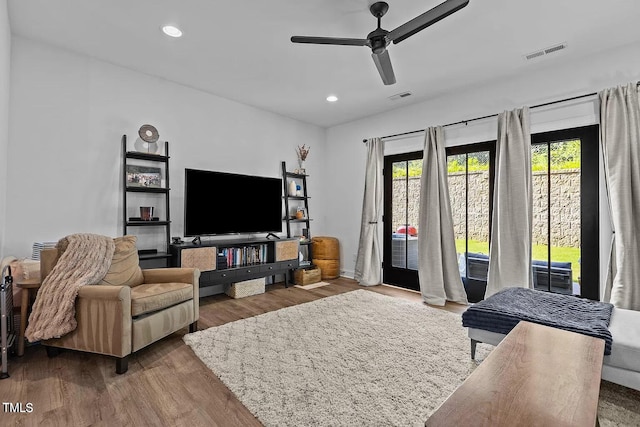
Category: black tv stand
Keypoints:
(196, 240)
(248, 258)
(271, 234)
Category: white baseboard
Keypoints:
(348, 274)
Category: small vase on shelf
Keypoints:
(302, 170)
(292, 188)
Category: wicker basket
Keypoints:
(203, 259)
(307, 276)
(286, 250)
(246, 288)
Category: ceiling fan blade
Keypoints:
(383, 64)
(428, 18)
(330, 40)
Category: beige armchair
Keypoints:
(117, 320)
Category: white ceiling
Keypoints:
(241, 49)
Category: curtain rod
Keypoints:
(491, 115)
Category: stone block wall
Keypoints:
(403, 208)
(565, 205)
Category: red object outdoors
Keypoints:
(403, 230)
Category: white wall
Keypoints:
(5, 60)
(346, 153)
(68, 114)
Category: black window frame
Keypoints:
(589, 202)
(397, 276)
(475, 288)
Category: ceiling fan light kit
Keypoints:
(379, 39)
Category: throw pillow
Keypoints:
(125, 268)
(22, 268)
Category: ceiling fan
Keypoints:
(379, 39)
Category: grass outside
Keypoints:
(558, 253)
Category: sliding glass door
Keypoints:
(470, 176)
(565, 211)
(402, 199)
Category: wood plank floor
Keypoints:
(166, 385)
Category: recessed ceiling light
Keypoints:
(172, 31)
(332, 98)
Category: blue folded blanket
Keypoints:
(502, 311)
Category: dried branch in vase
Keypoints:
(303, 152)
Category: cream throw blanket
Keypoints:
(85, 261)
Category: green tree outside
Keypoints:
(564, 155)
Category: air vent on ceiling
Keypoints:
(399, 96)
(535, 54)
(545, 51)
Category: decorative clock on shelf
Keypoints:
(148, 137)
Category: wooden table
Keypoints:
(27, 287)
(537, 376)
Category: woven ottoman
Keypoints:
(326, 255)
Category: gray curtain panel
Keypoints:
(368, 271)
(437, 259)
(510, 250)
(620, 139)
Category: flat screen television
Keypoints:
(228, 203)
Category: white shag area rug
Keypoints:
(353, 359)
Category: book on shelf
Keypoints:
(245, 255)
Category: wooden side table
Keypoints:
(537, 376)
(27, 287)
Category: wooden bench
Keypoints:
(537, 375)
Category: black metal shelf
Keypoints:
(295, 175)
(147, 189)
(146, 156)
(156, 255)
(297, 220)
(128, 196)
(146, 223)
(300, 178)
